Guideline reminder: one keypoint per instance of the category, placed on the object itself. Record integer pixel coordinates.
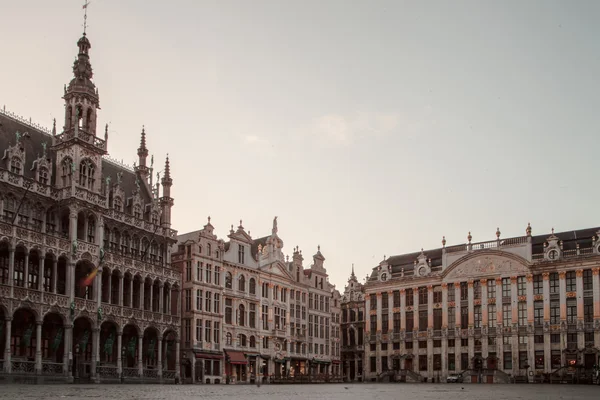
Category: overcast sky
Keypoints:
(370, 128)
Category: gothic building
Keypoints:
(522, 308)
(86, 286)
(251, 313)
(353, 328)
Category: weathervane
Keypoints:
(85, 6)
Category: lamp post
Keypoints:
(76, 361)
(123, 363)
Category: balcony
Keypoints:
(279, 332)
(132, 259)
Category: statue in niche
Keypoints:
(275, 225)
(57, 339)
(27, 335)
(119, 177)
(108, 179)
(108, 345)
(151, 350)
(131, 346)
(44, 145)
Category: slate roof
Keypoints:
(570, 239)
(33, 150)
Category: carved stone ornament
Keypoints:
(487, 265)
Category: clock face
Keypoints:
(384, 277)
(553, 254)
(422, 271)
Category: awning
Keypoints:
(236, 357)
(252, 354)
(315, 361)
(298, 358)
(281, 360)
(208, 356)
(336, 362)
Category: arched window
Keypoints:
(88, 120)
(79, 117)
(242, 315)
(252, 341)
(242, 340)
(208, 249)
(86, 174)
(228, 339)
(155, 218)
(43, 175)
(242, 284)
(252, 286)
(15, 165)
(228, 283)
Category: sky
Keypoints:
(370, 128)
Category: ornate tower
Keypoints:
(142, 169)
(166, 201)
(79, 151)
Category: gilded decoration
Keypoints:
(529, 278)
(522, 299)
(430, 288)
(571, 295)
(513, 279)
(437, 305)
(579, 273)
(492, 300)
(445, 285)
(545, 276)
(498, 281)
(487, 265)
(451, 304)
(396, 310)
(483, 282)
(477, 302)
(595, 271)
(562, 274)
(538, 297)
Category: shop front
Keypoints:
(298, 366)
(208, 367)
(236, 366)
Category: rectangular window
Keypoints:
(538, 313)
(506, 287)
(522, 314)
(265, 317)
(208, 302)
(241, 253)
(492, 315)
(571, 311)
(464, 291)
(491, 288)
(396, 298)
(188, 300)
(506, 315)
(477, 290)
(571, 281)
(437, 294)
(451, 316)
(554, 312)
(207, 331)
(208, 273)
(423, 295)
(451, 292)
(437, 318)
(588, 309)
(384, 301)
(199, 271)
(217, 307)
(477, 315)
(198, 300)
(521, 286)
(587, 279)
(423, 317)
(538, 284)
(554, 285)
(198, 330)
(217, 332)
(410, 299)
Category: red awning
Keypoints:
(209, 356)
(236, 357)
(336, 362)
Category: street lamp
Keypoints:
(123, 362)
(76, 361)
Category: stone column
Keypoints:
(514, 323)
(7, 335)
(95, 350)
(562, 285)
(54, 274)
(98, 286)
(499, 325)
(131, 292)
(67, 353)
(41, 274)
(142, 290)
(11, 272)
(484, 320)
(177, 366)
(119, 350)
(121, 288)
(596, 294)
(140, 354)
(444, 330)
(179, 301)
(471, 297)
(161, 310)
(152, 297)
(109, 288)
(26, 282)
(159, 363)
(38, 347)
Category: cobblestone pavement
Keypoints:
(305, 392)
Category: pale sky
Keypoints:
(370, 128)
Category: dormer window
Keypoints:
(15, 165)
(208, 249)
(86, 174)
(137, 211)
(241, 250)
(43, 176)
(155, 218)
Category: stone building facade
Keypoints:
(86, 286)
(353, 329)
(519, 307)
(251, 313)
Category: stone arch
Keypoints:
(53, 336)
(4, 261)
(109, 350)
(85, 273)
(130, 343)
(484, 263)
(19, 265)
(150, 347)
(24, 331)
(169, 347)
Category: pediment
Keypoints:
(487, 265)
(277, 268)
(242, 237)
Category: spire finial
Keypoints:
(209, 219)
(553, 230)
(54, 127)
(352, 275)
(85, 6)
(318, 247)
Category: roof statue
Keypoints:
(275, 225)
